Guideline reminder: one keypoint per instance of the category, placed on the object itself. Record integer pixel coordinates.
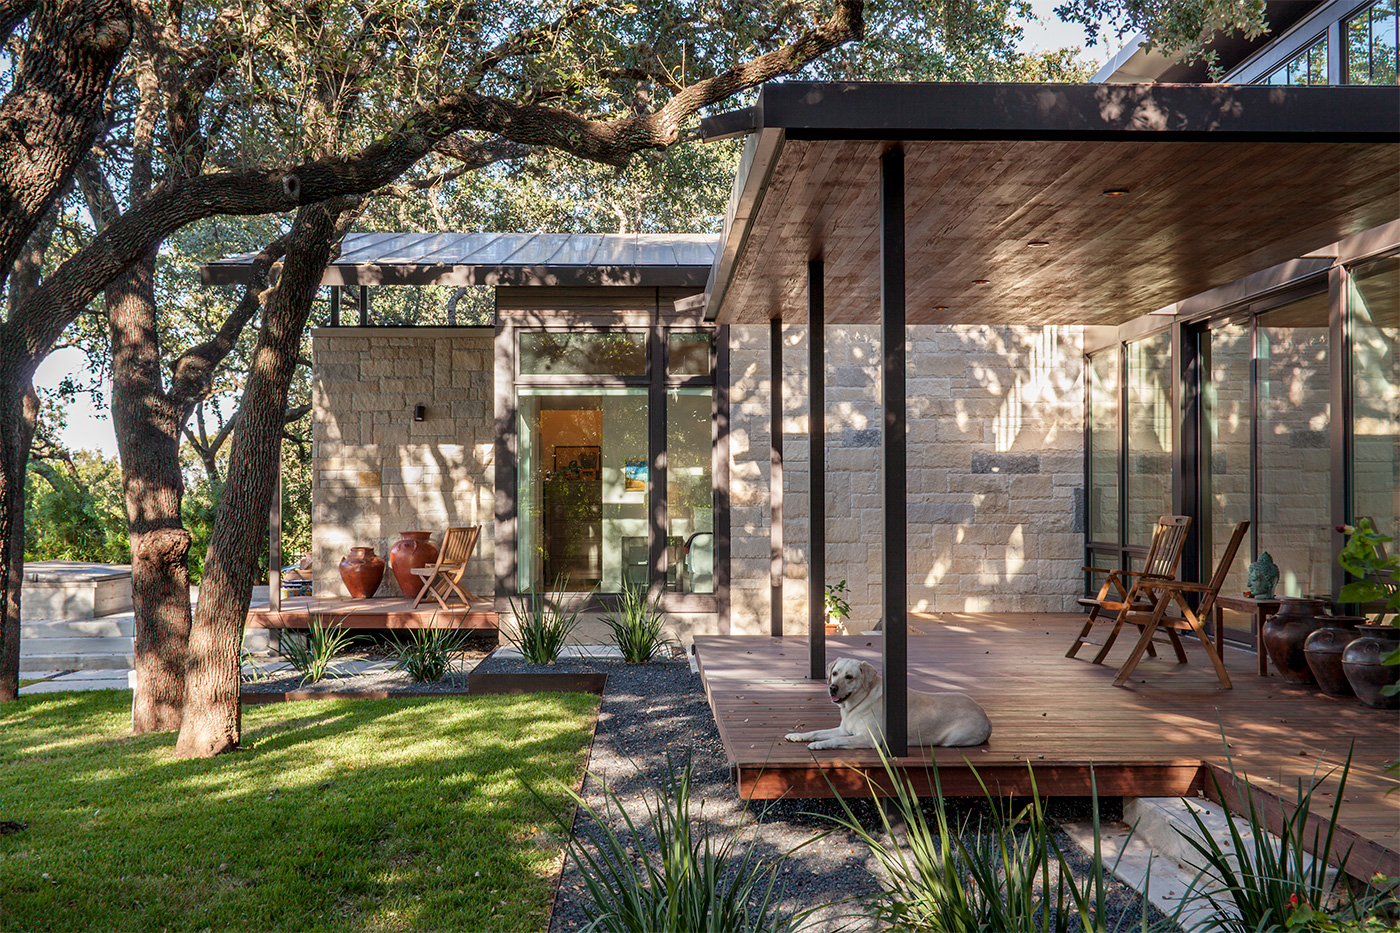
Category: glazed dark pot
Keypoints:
(1362, 662)
(411, 551)
(1323, 650)
(1285, 633)
(361, 570)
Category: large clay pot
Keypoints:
(1285, 633)
(1323, 650)
(361, 570)
(411, 551)
(1362, 662)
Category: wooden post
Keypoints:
(892, 451)
(816, 482)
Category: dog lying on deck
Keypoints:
(934, 718)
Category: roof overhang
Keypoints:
(1220, 181)
(505, 259)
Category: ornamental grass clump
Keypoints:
(427, 653)
(1005, 872)
(638, 626)
(543, 624)
(666, 871)
(1262, 881)
(312, 653)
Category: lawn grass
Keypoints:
(345, 815)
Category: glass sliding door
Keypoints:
(1294, 445)
(1226, 446)
(1149, 423)
(690, 497)
(1375, 384)
(1104, 446)
(583, 487)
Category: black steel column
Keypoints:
(816, 472)
(335, 305)
(364, 305)
(775, 477)
(892, 451)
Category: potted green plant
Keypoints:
(837, 608)
(1372, 662)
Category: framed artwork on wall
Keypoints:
(634, 476)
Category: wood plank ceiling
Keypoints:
(1196, 215)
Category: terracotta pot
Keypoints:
(1323, 650)
(1362, 662)
(361, 572)
(1285, 633)
(411, 551)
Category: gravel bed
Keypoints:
(651, 710)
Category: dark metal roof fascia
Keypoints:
(732, 123)
(928, 111)
(761, 152)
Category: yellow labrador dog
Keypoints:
(934, 718)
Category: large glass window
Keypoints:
(571, 353)
(1149, 417)
(1294, 460)
(1226, 444)
(1307, 67)
(1375, 368)
(594, 473)
(1372, 44)
(1104, 445)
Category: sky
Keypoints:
(90, 427)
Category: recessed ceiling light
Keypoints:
(940, 307)
(981, 281)
(1038, 244)
(1114, 192)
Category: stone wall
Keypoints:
(379, 472)
(995, 470)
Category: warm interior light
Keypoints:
(1114, 192)
(1038, 244)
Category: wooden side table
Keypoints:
(1261, 609)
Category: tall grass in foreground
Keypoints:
(1259, 882)
(1003, 872)
(638, 626)
(543, 624)
(687, 881)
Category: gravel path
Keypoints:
(650, 710)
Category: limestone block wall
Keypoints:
(995, 470)
(379, 472)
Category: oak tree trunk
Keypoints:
(212, 722)
(19, 410)
(148, 427)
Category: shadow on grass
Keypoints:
(394, 814)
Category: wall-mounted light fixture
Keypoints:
(420, 412)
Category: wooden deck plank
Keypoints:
(1158, 735)
(383, 613)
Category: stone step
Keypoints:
(77, 645)
(114, 626)
(76, 662)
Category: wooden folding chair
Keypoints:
(1169, 591)
(444, 579)
(1163, 556)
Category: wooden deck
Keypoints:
(1161, 735)
(383, 613)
